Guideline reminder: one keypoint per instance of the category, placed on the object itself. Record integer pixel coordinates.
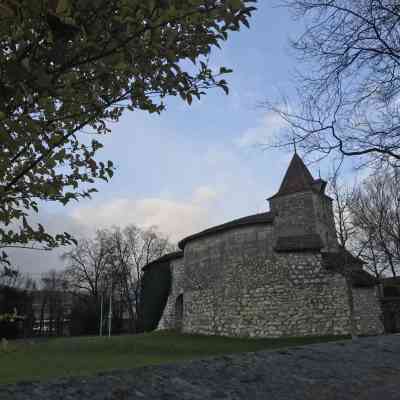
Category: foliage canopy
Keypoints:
(66, 65)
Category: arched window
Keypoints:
(179, 312)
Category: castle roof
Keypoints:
(298, 179)
(261, 218)
(335, 260)
(340, 260)
(163, 259)
(297, 243)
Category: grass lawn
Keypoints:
(88, 355)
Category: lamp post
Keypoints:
(101, 315)
(110, 310)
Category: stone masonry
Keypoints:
(280, 273)
(168, 319)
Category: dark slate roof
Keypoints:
(298, 243)
(163, 259)
(262, 218)
(298, 178)
(337, 261)
(362, 278)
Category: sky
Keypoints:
(192, 166)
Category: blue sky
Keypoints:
(165, 155)
(193, 166)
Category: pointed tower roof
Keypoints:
(297, 178)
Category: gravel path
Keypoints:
(367, 369)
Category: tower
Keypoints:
(303, 215)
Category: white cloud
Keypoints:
(35, 262)
(268, 128)
(204, 194)
(175, 218)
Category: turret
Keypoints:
(303, 215)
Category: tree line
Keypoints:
(100, 272)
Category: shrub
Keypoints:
(156, 286)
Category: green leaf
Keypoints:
(224, 70)
(236, 4)
(81, 76)
(63, 7)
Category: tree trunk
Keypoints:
(132, 316)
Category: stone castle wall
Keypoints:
(294, 214)
(305, 213)
(216, 279)
(278, 295)
(211, 283)
(367, 310)
(233, 284)
(324, 220)
(168, 319)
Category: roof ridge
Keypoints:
(297, 177)
(259, 218)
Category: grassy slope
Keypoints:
(88, 355)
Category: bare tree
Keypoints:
(376, 214)
(342, 195)
(91, 281)
(360, 239)
(111, 264)
(87, 265)
(348, 80)
(131, 249)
